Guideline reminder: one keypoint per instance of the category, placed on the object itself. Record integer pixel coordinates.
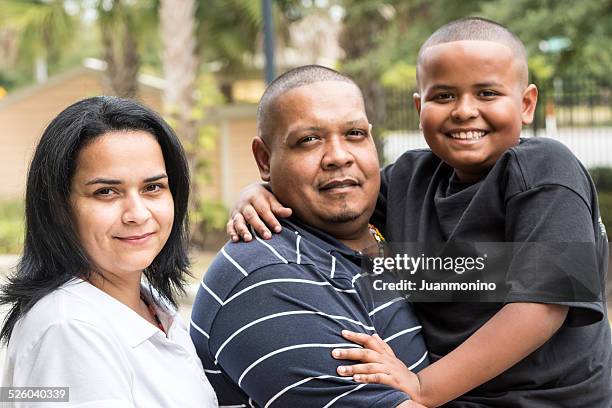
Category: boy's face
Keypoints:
(473, 103)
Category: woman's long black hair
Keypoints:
(52, 253)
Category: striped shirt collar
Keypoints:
(323, 240)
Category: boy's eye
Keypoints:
(444, 97)
(487, 93)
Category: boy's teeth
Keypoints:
(467, 135)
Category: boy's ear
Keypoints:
(417, 103)
(529, 102)
(262, 157)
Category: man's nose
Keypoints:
(465, 109)
(337, 153)
(135, 210)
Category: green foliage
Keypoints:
(400, 75)
(211, 216)
(541, 68)
(586, 23)
(602, 176)
(11, 226)
(605, 209)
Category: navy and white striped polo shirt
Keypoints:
(268, 314)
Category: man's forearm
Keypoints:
(512, 334)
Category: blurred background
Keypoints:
(204, 64)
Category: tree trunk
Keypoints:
(180, 64)
(120, 52)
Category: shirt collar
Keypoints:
(130, 326)
(325, 241)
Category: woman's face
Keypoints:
(121, 202)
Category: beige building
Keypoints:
(24, 114)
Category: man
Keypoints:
(269, 313)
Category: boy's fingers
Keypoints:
(241, 228)
(383, 345)
(231, 231)
(278, 209)
(359, 354)
(252, 217)
(364, 339)
(377, 378)
(269, 219)
(368, 368)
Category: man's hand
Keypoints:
(380, 364)
(258, 207)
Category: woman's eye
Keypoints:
(105, 192)
(152, 188)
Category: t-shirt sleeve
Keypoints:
(274, 339)
(379, 217)
(564, 268)
(81, 357)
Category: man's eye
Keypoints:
(357, 133)
(307, 139)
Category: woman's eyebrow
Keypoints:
(101, 180)
(155, 178)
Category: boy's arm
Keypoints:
(508, 337)
(512, 334)
(258, 207)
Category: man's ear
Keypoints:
(529, 102)
(262, 157)
(417, 103)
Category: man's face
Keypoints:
(473, 103)
(322, 159)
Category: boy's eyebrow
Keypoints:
(487, 84)
(101, 180)
(441, 87)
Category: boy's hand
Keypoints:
(381, 366)
(254, 204)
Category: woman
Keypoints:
(106, 203)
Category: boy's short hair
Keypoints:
(300, 76)
(477, 29)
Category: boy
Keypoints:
(481, 183)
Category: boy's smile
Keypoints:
(474, 100)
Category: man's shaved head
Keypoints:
(478, 29)
(304, 75)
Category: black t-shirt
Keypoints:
(536, 192)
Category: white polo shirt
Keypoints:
(80, 337)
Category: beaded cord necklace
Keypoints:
(380, 239)
(153, 313)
